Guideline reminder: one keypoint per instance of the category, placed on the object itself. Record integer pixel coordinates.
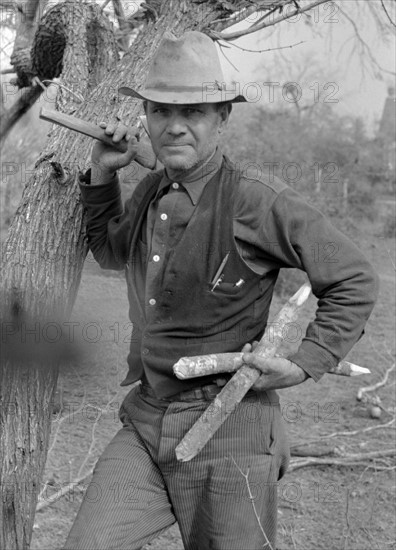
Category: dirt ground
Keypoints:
(329, 507)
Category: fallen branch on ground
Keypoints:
(348, 460)
(44, 502)
(348, 433)
(374, 387)
(295, 464)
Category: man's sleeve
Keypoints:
(341, 277)
(108, 225)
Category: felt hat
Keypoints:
(186, 70)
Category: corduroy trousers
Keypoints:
(223, 499)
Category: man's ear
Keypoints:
(224, 112)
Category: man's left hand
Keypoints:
(277, 373)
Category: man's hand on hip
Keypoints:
(277, 373)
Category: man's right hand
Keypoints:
(105, 159)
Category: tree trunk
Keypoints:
(45, 247)
(39, 280)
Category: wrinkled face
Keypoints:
(183, 136)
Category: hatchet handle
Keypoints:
(145, 155)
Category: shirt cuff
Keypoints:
(313, 359)
(98, 194)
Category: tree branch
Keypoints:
(387, 13)
(102, 7)
(346, 433)
(347, 460)
(122, 24)
(363, 43)
(13, 114)
(379, 384)
(251, 498)
(45, 502)
(256, 27)
(262, 51)
(20, 57)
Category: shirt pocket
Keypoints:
(224, 288)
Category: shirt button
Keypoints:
(164, 217)
(152, 301)
(175, 185)
(145, 351)
(156, 258)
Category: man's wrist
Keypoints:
(101, 176)
(85, 180)
(301, 374)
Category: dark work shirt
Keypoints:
(273, 228)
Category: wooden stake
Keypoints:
(217, 363)
(234, 391)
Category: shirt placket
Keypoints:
(159, 241)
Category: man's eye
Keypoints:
(192, 111)
(160, 110)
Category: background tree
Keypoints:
(45, 248)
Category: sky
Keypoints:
(328, 61)
(327, 65)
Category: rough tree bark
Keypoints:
(40, 274)
(45, 247)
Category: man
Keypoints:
(202, 245)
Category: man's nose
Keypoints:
(176, 125)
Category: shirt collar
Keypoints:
(194, 181)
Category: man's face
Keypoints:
(184, 135)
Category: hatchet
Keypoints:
(145, 155)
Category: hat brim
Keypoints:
(184, 96)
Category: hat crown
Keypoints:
(186, 70)
(190, 61)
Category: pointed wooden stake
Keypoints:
(234, 391)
